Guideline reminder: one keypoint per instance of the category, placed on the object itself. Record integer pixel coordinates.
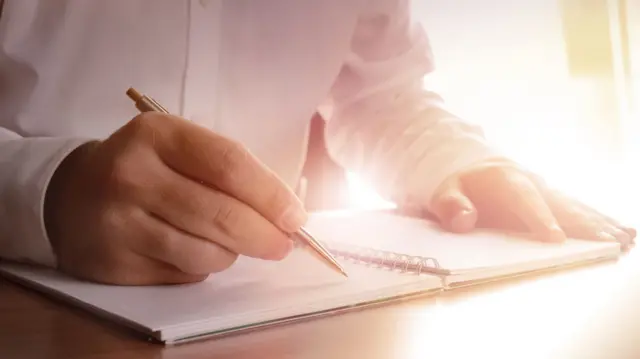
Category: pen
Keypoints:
(145, 103)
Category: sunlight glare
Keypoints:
(486, 323)
(362, 196)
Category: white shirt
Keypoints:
(253, 70)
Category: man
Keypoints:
(104, 194)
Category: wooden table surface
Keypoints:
(588, 312)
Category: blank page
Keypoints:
(480, 249)
(250, 292)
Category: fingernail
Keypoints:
(618, 233)
(623, 238)
(556, 234)
(464, 221)
(293, 218)
(606, 237)
(630, 231)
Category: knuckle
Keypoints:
(149, 127)
(446, 199)
(199, 203)
(163, 243)
(226, 218)
(112, 220)
(142, 122)
(121, 176)
(232, 158)
(279, 200)
(182, 142)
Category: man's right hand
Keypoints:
(162, 201)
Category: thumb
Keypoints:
(454, 210)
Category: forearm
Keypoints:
(385, 124)
(405, 147)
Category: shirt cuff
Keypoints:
(28, 165)
(462, 152)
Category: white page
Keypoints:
(250, 291)
(456, 252)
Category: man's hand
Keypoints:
(163, 200)
(504, 197)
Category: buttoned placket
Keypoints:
(202, 57)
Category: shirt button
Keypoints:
(203, 3)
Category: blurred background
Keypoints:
(552, 83)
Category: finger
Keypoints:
(619, 235)
(130, 268)
(162, 274)
(631, 232)
(528, 204)
(590, 231)
(559, 203)
(219, 162)
(598, 231)
(210, 214)
(582, 221)
(153, 272)
(454, 209)
(192, 255)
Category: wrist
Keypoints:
(57, 192)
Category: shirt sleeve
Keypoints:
(384, 123)
(26, 167)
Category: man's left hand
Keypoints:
(506, 197)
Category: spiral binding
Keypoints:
(387, 259)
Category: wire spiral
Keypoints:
(386, 259)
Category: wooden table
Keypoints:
(589, 312)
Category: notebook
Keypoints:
(388, 257)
